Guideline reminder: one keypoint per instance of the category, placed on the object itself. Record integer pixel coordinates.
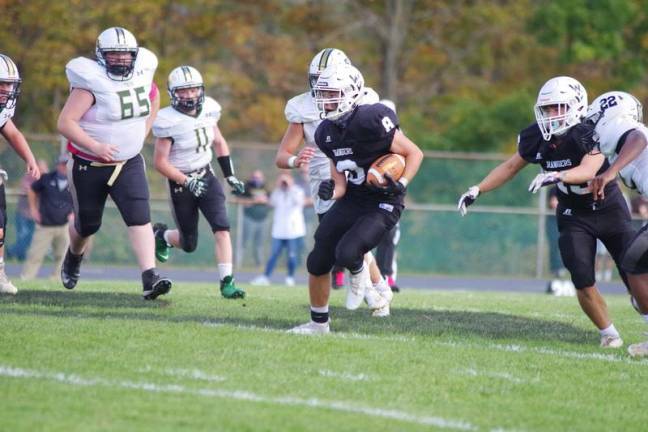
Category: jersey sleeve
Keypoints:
(80, 73)
(212, 109)
(529, 140)
(163, 124)
(611, 133)
(6, 115)
(301, 109)
(147, 61)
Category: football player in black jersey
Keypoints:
(564, 145)
(353, 136)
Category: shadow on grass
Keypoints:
(73, 298)
(412, 322)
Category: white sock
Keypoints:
(225, 270)
(381, 283)
(166, 237)
(321, 309)
(645, 317)
(609, 331)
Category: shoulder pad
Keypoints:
(165, 121)
(376, 121)
(610, 133)
(369, 97)
(82, 72)
(582, 135)
(529, 141)
(146, 59)
(302, 109)
(212, 108)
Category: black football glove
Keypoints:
(197, 186)
(325, 190)
(238, 187)
(392, 188)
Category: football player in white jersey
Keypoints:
(623, 139)
(110, 110)
(9, 90)
(303, 119)
(185, 133)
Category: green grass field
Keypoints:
(100, 358)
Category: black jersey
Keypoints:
(563, 153)
(355, 142)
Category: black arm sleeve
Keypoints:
(225, 163)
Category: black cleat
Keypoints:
(158, 285)
(71, 269)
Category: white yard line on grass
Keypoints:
(196, 374)
(499, 375)
(76, 380)
(345, 376)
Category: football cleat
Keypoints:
(261, 280)
(312, 328)
(229, 290)
(6, 287)
(608, 341)
(358, 285)
(638, 349)
(382, 312)
(384, 290)
(157, 286)
(71, 269)
(161, 245)
(373, 299)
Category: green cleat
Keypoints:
(161, 246)
(229, 290)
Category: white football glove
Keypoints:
(467, 199)
(544, 179)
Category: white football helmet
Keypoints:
(561, 104)
(388, 103)
(184, 77)
(322, 60)
(9, 83)
(340, 85)
(614, 104)
(117, 39)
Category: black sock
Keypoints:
(319, 317)
(74, 257)
(148, 276)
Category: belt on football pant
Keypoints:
(118, 167)
(200, 172)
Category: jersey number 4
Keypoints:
(127, 99)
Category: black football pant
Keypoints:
(349, 230)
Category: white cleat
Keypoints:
(374, 299)
(260, 280)
(611, 341)
(638, 349)
(6, 287)
(311, 328)
(384, 290)
(358, 284)
(382, 312)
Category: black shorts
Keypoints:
(579, 230)
(89, 186)
(185, 209)
(350, 230)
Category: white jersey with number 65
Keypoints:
(119, 114)
(191, 137)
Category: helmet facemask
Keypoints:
(120, 69)
(555, 119)
(187, 104)
(9, 92)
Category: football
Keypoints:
(391, 163)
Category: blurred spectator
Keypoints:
(23, 218)
(255, 213)
(288, 227)
(639, 205)
(50, 204)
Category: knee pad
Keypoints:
(319, 264)
(189, 242)
(349, 258)
(87, 229)
(635, 258)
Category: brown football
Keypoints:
(391, 163)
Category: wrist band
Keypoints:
(403, 181)
(291, 161)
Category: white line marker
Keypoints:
(196, 374)
(71, 379)
(344, 375)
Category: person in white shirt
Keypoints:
(185, 133)
(288, 227)
(110, 110)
